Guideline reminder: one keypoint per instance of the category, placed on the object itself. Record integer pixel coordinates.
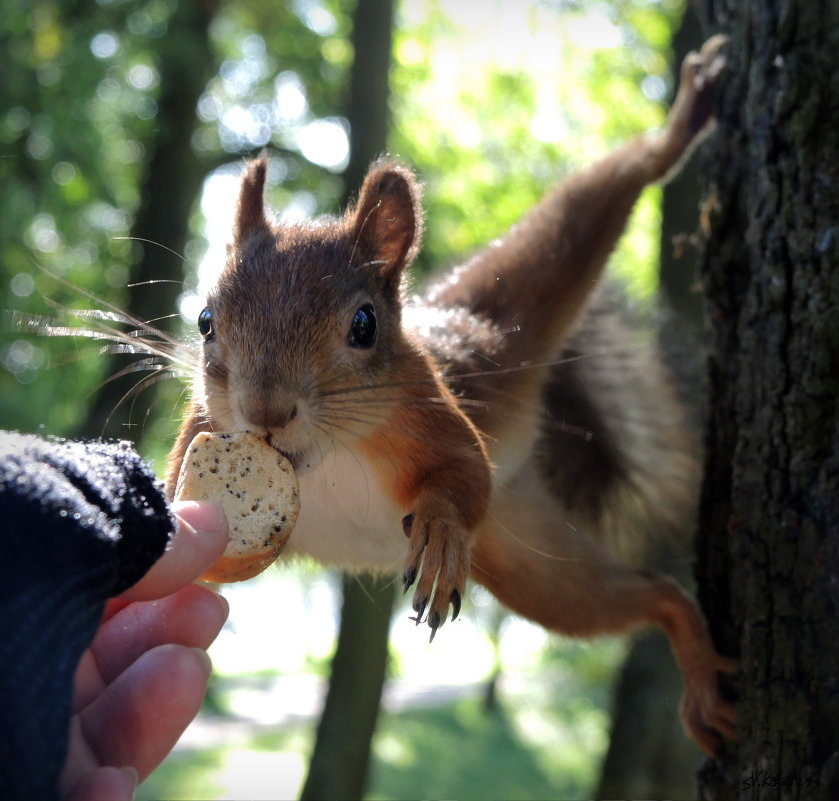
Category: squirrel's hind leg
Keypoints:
(544, 566)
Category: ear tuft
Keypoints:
(387, 219)
(250, 208)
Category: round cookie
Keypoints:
(258, 489)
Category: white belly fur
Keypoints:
(346, 519)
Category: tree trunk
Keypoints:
(340, 762)
(769, 521)
(173, 181)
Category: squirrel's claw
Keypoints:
(706, 715)
(438, 544)
(435, 622)
(409, 576)
(419, 608)
(455, 604)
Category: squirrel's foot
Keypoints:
(706, 715)
(439, 545)
(691, 118)
(700, 75)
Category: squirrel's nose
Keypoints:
(269, 412)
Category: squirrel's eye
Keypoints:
(363, 328)
(205, 324)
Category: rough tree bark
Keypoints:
(340, 761)
(768, 550)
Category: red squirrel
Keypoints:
(450, 435)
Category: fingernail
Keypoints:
(224, 603)
(205, 516)
(207, 663)
(131, 776)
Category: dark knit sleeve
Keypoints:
(80, 523)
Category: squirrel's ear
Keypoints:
(387, 220)
(250, 208)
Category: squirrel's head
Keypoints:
(308, 311)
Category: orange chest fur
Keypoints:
(399, 455)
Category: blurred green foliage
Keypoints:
(78, 124)
(491, 103)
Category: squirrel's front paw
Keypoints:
(438, 552)
(705, 714)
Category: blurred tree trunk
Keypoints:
(340, 761)
(769, 521)
(339, 766)
(172, 183)
(649, 754)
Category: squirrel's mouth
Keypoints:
(301, 460)
(290, 455)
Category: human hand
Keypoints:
(143, 678)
